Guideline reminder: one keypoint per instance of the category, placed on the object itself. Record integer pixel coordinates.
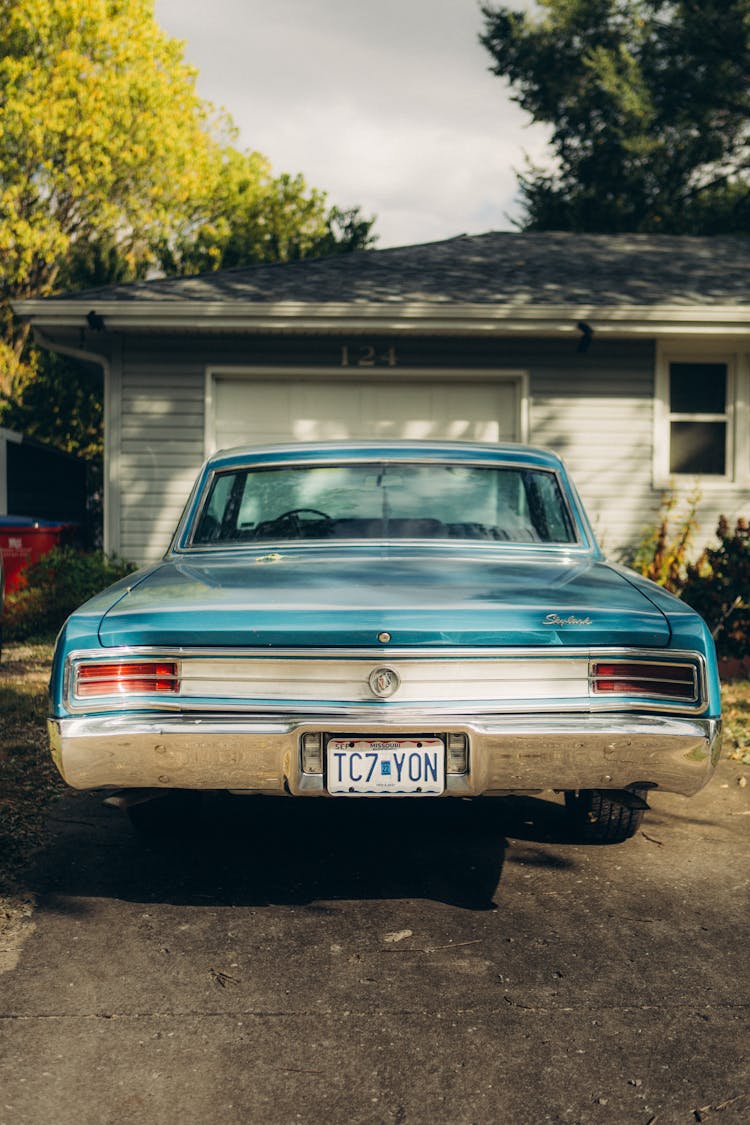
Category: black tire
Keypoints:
(596, 818)
(172, 814)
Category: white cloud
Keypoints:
(387, 105)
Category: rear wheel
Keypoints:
(598, 816)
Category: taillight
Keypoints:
(127, 677)
(665, 681)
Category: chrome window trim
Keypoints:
(183, 539)
(592, 703)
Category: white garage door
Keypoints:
(259, 411)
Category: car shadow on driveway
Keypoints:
(255, 851)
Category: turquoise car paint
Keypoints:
(433, 597)
(81, 630)
(458, 452)
(538, 609)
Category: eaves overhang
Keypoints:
(403, 317)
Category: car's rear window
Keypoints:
(384, 500)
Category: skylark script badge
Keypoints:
(555, 619)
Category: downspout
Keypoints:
(110, 475)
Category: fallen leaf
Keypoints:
(398, 935)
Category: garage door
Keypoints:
(258, 411)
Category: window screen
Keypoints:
(698, 422)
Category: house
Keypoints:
(628, 354)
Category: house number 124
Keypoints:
(367, 355)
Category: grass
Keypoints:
(736, 704)
(28, 779)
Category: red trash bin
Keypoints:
(25, 540)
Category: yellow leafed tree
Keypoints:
(112, 168)
(102, 135)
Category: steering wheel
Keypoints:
(292, 518)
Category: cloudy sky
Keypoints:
(386, 104)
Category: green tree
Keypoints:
(249, 216)
(103, 137)
(112, 168)
(649, 104)
(61, 404)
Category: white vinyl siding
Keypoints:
(600, 420)
(609, 425)
(162, 429)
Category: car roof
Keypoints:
(386, 449)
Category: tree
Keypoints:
(112, 168)
(61, 404)
(103, 137)
(649, 103)
(251, 216)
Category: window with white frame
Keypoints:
(697, 404)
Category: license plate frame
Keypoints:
(402, 766)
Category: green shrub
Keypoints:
(56, 585)
(718, 586)
(663, 550)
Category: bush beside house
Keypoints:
(56, 585)
(717, 584)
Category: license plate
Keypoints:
(387, 766)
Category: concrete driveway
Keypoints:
(345, 961)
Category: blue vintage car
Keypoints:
(401, 619)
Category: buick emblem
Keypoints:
(384, 682)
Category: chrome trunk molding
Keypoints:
(334, 682)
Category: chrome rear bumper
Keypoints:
(507, 753)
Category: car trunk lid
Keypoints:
(438, 598)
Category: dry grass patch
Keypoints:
(736, 703)
(28, 779)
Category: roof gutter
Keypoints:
(397, 317)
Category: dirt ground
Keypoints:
(356, 961)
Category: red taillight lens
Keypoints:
(127, 677)
(666, 681)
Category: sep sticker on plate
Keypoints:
(386, 767)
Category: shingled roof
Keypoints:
(499, 268)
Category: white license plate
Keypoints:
(386, 767)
